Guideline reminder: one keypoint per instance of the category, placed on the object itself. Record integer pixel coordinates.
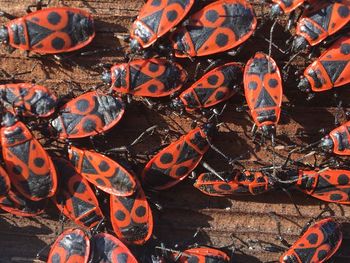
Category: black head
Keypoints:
(177, 105)
(4, 35)
(326, 144)
(209, 129)
(8, 119)
(106, 77)
(268, 130)
(304, 85)
(299, 44)
(275, 11)
(135, 46)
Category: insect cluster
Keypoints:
(52, 149)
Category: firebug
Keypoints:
(216, 86)
(75, 198)
(87, 115)
(102, 171)
(317, 244)
(263, 92)
(73, 245)
(176, 161)
(28, 99)
(329, 70)
(156, 18)
(131, 217)
(322, 19)
(50, 31)
(218, 27)
(27, 163)
(154, 77)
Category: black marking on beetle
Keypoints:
(58, 43)
(54, 18)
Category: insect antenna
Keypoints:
(148, 132)
(213, 171)
(270, 44)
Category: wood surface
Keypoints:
(185, 209)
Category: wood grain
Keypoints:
(185, 209)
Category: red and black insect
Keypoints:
(154, 77)
(329, 185)
(337, 141)
(201, 255)
(236, 183)
(317, 244)
(214, 87)
(28, 99)
(131, 217)
(322, 19)
(156, 18)
(329, 70)
(218, 27)
(263, 92)
(27, 163)
(285, 6)
(176, 161)
(5, 184)
(87, 115)
(107, 248)
(18, 205)
(103, 172)
(73, 245)
(50, 31)
(75, 198)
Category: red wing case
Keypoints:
(176, 161)
(109, 249)
(323, 19)
(28, 99)
(131, 217)
(87, 115)
(153, 77)
(72, 246)
(218, 27)
(103, 172)
(5, 184)
(263, 89)
(75, 198)
(29, 166)
(18, 205)
(52, 30)
(317, 244)
(330, 185)
(331, 68)
(214, 87)
(157, 18)
(236, 183)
